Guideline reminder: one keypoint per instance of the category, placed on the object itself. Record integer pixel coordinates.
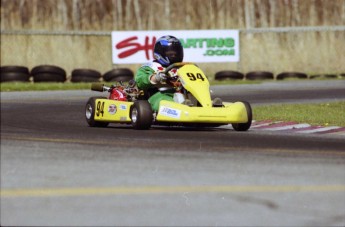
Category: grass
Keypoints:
(46, 86)
(325, 114)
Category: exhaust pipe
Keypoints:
(99, 87)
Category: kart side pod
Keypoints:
(231, 113)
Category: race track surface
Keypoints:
(55, 170)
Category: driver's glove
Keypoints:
(173, 73)
(160, 77)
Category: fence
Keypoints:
(276, 35)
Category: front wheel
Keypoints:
(90, 113)
(141, 115)
(245, 126)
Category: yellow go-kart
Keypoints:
(192, 105)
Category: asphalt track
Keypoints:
(57, 171)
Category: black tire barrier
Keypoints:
(48, 73)
(330, 76)
(14, 68)
(120, 74)
(323, 76)
(285, 75)
(14, 74)
(49, 77)
(85, 75)
(14, 77)
(315, 76)
(223, 75)
(259, 75)
(48, 69)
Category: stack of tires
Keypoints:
(258, 75)
(48, 73)
(119, 74)
(51, 73)
(90, 75)
(85, 75)
(289, 75)
(228, 74)
(14, 73)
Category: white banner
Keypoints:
(133, 47)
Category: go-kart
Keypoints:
(192, 105)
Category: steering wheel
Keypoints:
(176, 65)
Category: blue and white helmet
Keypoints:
(168, 50)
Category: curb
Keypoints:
(294, 127)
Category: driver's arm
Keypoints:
(143, 77)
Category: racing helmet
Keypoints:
(168, 50)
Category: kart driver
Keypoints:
(151, 78)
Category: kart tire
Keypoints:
(49, 77)
(244, 126)
(222, 75)
(285, 75)
(141, 115)
(85, 75)
(90, 108)
(120, 74)
(14, 69)
(259, 75)
(14, 77)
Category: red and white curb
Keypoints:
(293, 127)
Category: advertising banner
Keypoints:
(136, 47)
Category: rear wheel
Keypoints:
(245, 126)
(90, 113)
(141, 115)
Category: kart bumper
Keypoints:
(175, 112)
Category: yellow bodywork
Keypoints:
(175, 112)
(119, 112)
(112, 111)
(195, 81)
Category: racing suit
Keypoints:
(142, 79)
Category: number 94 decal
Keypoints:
(193, 77)
(100, 109)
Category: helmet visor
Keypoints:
(174, 53)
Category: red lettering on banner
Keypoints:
(136, 46)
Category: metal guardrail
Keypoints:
(107, 33)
